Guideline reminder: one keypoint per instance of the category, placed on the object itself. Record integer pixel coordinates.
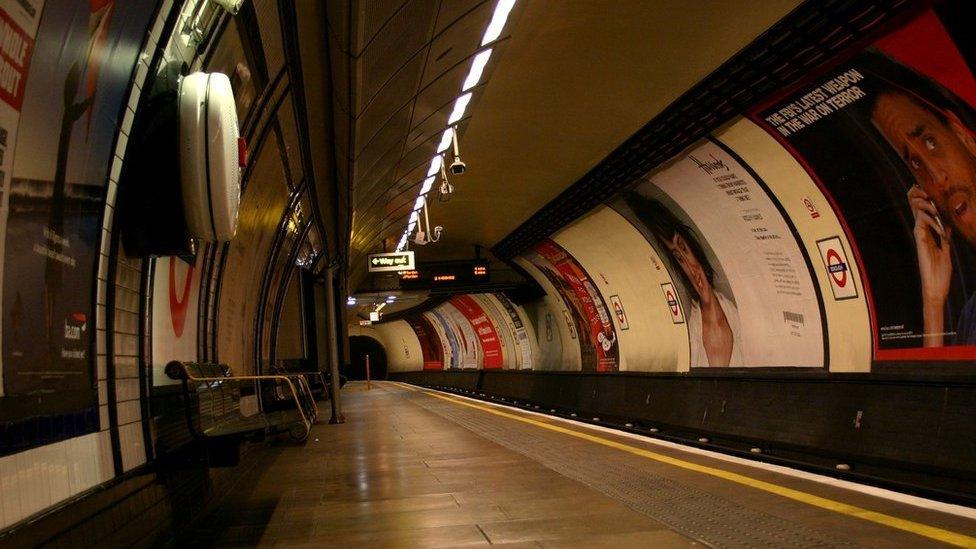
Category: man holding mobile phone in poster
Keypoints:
(939, 150)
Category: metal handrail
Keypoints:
(277, 378)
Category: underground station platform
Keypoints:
(415, 467)
(525, 273)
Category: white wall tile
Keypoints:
(82, 457)
(133, 449)
(103, 417)
(102, 391)
(34, 492)
(9, 496)
(116, 171)
(36, 479)
(89, 449)
(129, 412)
(58, 467)
(126, 389)
(122, 141)
(106, 466)
(134, 99)
(142, 70)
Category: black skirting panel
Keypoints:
(913, 436)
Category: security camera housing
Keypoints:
(458, 167)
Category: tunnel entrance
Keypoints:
(359, 347)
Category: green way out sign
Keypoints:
(397, 261)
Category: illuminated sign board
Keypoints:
(446, 273)
(397, 261)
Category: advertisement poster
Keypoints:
(889, 137)
(521, 333)
(598, 338)
(450, 335)
(485, 330)
(744, 288)
(469, 347)
(448, 345)
(175, 313)
(63, 88)
(429, 346)
(20, 26)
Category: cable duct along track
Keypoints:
(810, 36)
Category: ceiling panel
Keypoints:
(457, 43)
(452, 10)
(398, 93)
(567, 83)
(375, 15)
(391, 137)
(403, 36)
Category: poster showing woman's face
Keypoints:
(741, 277)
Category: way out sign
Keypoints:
(396, 261)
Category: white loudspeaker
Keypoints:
(211, 156)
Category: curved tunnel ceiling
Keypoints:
(570, 82)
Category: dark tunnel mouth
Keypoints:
(359, 347)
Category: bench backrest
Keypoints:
(216, 401)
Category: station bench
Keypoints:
(315, 379)
(212, 402)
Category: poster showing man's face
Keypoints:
(938, 150)
(889, 138)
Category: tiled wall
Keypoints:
(116, 497)
(39, 478)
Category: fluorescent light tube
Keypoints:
(498, 20)
(477, 67)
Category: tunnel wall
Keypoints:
(403, 352)
(789, 233)
(105, 426)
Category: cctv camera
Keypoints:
(458, 167)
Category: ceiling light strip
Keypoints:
(478, 63)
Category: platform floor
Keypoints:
(415, 468)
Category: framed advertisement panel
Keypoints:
(888, 135)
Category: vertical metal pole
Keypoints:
(333, 343)
(367, 373)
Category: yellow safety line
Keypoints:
(933, 532)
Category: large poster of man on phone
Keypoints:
(888, 135)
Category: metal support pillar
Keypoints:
(333, 345)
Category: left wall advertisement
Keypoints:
(19, 25)
(65, 68)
